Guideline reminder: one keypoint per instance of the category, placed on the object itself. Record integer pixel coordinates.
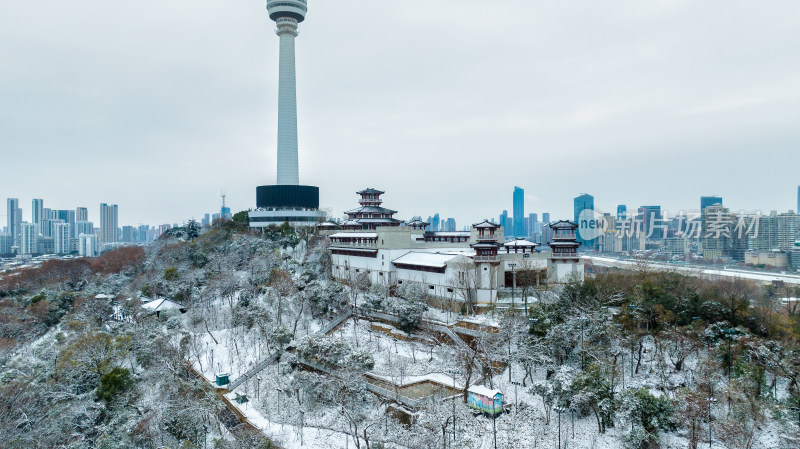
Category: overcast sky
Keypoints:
(445, 104)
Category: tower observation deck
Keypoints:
(287, 201)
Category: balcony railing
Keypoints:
(355, 244)
(485, 258)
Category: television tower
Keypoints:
(287, 14)
(287, 201)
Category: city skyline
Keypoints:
(659, 116)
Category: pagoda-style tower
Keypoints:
(486, 260)
(371, 214)
(486, 245)
(564, 243)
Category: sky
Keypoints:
(159, 106)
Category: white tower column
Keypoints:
(288, 173)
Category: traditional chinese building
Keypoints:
(371, 214)
(470, 266)
(564, 245)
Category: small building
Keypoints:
(485, 400)
(162, 305)
(774, 258)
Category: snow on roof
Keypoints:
(483, 391)
(452, 234)
(426, 259)
(355, 235)
(101, 296)
(161, 304)
(520, 242)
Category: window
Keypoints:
(380, 274)
(357, 270)
(399, 282)
(449, 290)
(431, 287)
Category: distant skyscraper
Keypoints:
(84, 227)
(88, 245)
(81, 214)
(622, 212)
(6, 242)
(519, 212)
(435, 223)
(145, 229)
(28, 238)
(505, 222)
(798, 200)
(62, 234)
(545, 218)
(706, 201)
(109, 215)
(14, 218)
(47, 225)
(652, 220)
(128, 234)
(37, 211)
(68, 216)
(581, 203)
(533, 225)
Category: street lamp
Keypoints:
(280, 399)
(583, 350)
(302, 424)
(452, 374)
(559, 410)
(515, 384)
(513, 284)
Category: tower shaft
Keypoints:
(288, 173)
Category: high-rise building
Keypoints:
(14, 218)
(37, 211)
(6, 242)
(128, 234)
(88, 245)
(706, 201)
(62, 236)
(68, 216)
(652, 221)
(46, 245)
(144, 231)
(622, 212)
(798, 200)
(47, 213)
(776, 232)
(84, 227)
(81, 214)
(108, 223)
(28, 238)
(583, 202)
(435, 223)
(287, 201)
(519, 212)
(716, 235)
(545, 218)
(47, 225)
(505, 222)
